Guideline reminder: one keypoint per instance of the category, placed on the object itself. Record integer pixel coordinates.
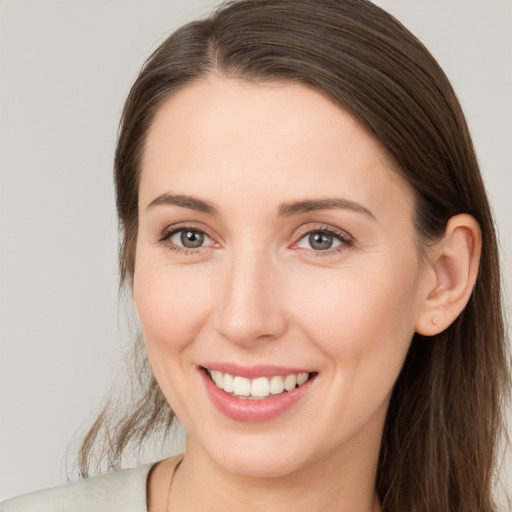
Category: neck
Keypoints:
(341, 482)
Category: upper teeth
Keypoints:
(260, 387)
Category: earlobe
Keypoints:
(453, 269)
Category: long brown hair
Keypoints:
(439, 444)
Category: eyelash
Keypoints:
(346, 241)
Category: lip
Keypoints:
(254, 411)
(253, 372)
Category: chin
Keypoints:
(265, 467)
(259, 458)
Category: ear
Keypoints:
(450, 276)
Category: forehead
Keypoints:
(273, 138)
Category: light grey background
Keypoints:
(65, 69)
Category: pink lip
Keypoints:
(252, 372)
(254, 411)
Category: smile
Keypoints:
(258, 388)
(258, 393)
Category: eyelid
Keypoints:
(319, 226)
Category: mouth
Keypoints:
(259, 388)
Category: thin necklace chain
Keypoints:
(167, 503)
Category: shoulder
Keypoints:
(122, 490)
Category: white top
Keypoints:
(122, 491)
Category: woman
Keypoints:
(314, 266)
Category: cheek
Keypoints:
(361, 311)
(363, 322)
(171, 305)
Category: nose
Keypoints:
(250, 308)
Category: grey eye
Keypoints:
(189, 238)
(319, 241)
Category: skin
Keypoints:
(257, 292)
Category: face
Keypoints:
(276, 254)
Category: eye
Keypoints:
(189, 238)
(326, 240)
(319, 241)
(185, 238)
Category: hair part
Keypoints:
(439, 447)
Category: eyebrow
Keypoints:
(192, 203)
(285, 209)
(329, 203)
